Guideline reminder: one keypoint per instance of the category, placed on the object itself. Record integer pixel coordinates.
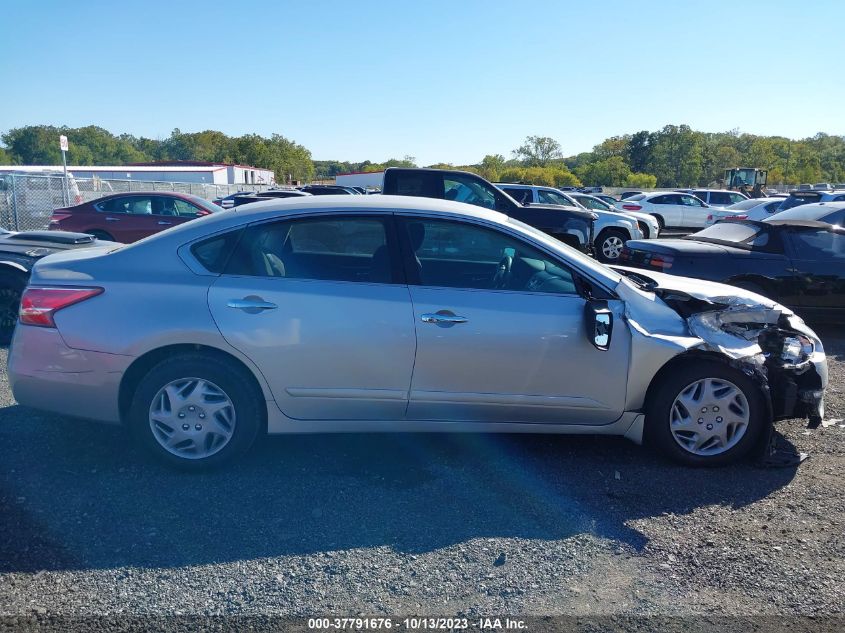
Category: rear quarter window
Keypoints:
(214, 252)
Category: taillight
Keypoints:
(625, 255)
(631, 207)
(734, 218)
(661, 261)
(39, 305)
(710, 218)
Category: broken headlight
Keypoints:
(796, 349)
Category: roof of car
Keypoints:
(807, 224)
(382, 202)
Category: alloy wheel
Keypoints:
(612, 246)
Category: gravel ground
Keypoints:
(417, 524)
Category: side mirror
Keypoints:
(599, 321)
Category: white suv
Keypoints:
(611, 229)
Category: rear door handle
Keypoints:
(112, 219)
(442, 317)
(251, 305)
(163, 223)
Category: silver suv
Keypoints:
(611, 230)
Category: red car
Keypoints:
(128, 217)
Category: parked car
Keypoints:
(18, 254)
(647, 224)
(830, 212)
(328, 190)
(397, 313)
(270, 195)
(129, 217)
(797, 198)
(719, 197)
(671, 209)
(799, 263)
(751, 209)
(611, 230)
(227, 202)
(572, 226)
(608, 199)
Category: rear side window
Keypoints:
(523, 196)
(719, 198)
(214, 252)
(702, 195)
(330, 249)
(552, 197)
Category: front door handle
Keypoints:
(442, 317)
(251, 304)
(163, 223)
(112, 219)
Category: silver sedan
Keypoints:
(382, 313)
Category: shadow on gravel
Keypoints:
(75, 495)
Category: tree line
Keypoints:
(673, 156)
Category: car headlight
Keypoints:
(796, 349)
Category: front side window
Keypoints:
(329, 249)
(820, 244)
(458, 255)
(691, 201)
(736, 197)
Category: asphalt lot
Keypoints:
(425, 524)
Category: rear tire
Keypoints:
(196, 411)
(660, 222)
(705, 413)
(101, 235)
(12, 285)
(609, 244)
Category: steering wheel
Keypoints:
(502, 277)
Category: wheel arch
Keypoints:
(757, 378)
(141, 365)
(7, 266)
(661, 222)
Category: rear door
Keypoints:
(318, 304)
(669, 207)
(501, 334)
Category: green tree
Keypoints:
(491, 166)
(538, 151)
(610, 172)
(640, 180)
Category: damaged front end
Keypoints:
(765, 340)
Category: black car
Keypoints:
(328, 190)
(18, 254)
(799, 263)
(569, 225)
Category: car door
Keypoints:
(126, 218)
(318, 304)
(818, 261)
(667, 206)
(693, 211)
(500, 331)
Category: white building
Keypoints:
(178, 171)
(366, 179)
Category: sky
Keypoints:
(437, 80)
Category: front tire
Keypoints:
(705, 413)
(610, 243)
(196, 411)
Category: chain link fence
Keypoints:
(27, 200)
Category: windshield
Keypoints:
(795, 200)
(739, 233)
(205, 204)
